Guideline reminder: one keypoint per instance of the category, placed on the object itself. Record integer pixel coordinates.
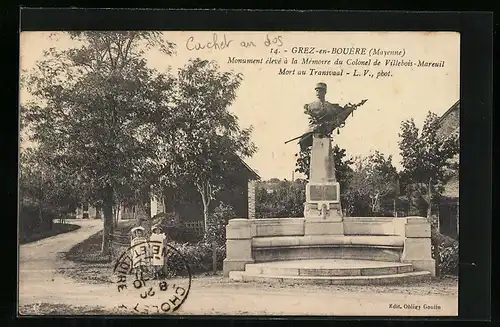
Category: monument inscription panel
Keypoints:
(323, 193)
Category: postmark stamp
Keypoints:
(144, 290)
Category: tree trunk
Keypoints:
(163, 203)
(435, 244)
(135, 216)
(116, 215)
(108, 219)
(205, 219)
(205, 198)
(214, 257)
(375, 203)
(429, 201)
(40, 205)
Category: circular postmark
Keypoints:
(153, 278)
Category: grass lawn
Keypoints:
(56, 230)
(90, 250)
(93, 266)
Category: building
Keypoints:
(238, 192)
(86, 211)
(449, 203)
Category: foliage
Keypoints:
(303, 163)
(286, 200)
(447, 250)
(448, 259)
(34, 219)
(94, 109)
(373, 179)
(217, 222)
(198, 256)
(426, 159)
(54, 189)
(207, 141)
(174, 228)
(44, 194)
(342, 169)
(165, 219)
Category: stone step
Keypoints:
(330, 267)
(399, 278)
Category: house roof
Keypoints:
(455, 106)
(252, 172)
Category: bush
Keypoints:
(448, 259)
(175, 229)
(286, 200)
(181, 234)
(166, 219)
(217, 222)
(198, 256)
(448, 253)
(29, 219)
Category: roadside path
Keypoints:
(39, 262)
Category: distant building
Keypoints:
(86, 211)
(449, 204)
(271, 185)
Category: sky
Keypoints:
(273, 104)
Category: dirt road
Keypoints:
(42, 290)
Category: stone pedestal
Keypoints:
(417, 248)
(322, 210)
(238, 245)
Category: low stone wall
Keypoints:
(376, 238)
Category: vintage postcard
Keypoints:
(239, 173)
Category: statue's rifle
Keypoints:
(298, 137)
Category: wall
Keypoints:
(367, 238)
(450, 121)
(352, 226)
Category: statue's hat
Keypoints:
(135, 229)
(320, 86)
(156, 227)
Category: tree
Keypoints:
(373, 178)
(45, 193)
(426, 159)
(286, 200)
(95, 109)
(207, 143)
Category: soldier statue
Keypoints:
(324, 117)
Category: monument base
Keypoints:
(322, 210)
(323, 227)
